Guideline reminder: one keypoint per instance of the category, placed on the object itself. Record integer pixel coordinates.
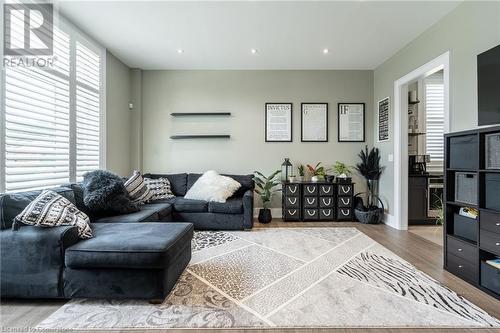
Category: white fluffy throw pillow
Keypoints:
(213, 187)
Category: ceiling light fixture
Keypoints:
(180, 51)
(254, 51)
(325, 51)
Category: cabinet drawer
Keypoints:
(291, 214)
(489, 241)
(310, 190)
(344, 202)
(462, 249)
(326, 214)
(344, 189)
(292, 202)
(292, 189)
(344, 214)
(489, 222)
(326, 190)
(310, 202)
(462, 267)
(310, 214)
(326, 202)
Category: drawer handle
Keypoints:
(325, 191)
(329, 212)
(345, 214)
(329, 201)
(310, 201)
(460, 250)
(309, 213)
(309, 190)
(348, 189)
(460, 266)
(294, 189)
(498, 224)
(290, 212)
(344, 202)
(292, 202)
(497, 244)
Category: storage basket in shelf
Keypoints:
(492, 150)
(466, 188)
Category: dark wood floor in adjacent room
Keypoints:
(424, 254)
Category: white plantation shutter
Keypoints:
(51, 117)
(434, 119)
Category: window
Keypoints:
(434, 119)
(52, 121)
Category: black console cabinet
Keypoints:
(472, 179)
(317, 201)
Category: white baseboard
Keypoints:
(275, 212)
(389, 220)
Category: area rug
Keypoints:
(286, 277)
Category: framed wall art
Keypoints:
(383, 120)
(351, 122)
(314, 122)
(278, 122)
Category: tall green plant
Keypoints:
(266, 186)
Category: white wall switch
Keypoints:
(390, 157)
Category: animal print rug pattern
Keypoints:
(286, 277)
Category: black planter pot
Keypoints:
(265, 216)
(329, 179)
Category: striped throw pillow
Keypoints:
(50, 209)
(160, 188)
(137, 189)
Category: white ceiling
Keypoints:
(287, 35)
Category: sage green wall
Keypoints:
(243, 93)
(473, 27)
(118, 116)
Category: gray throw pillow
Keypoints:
(105, 193)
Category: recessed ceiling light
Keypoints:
(325, 51)
(180, 51)
(254, 51)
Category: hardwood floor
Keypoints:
(424, 254)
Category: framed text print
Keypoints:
(278, 122)
(351, 122)
(383, 120)
(314, 122)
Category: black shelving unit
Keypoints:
(469, 243)
(187, 114)
(184, 137)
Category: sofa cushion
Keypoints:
(11, 204)
(178, 182)
(143, 215)
(137, 188)
(231, 206)
(192, 206)
(162, 208)
(130, 245)
(246, 182)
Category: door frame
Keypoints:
(401, 130)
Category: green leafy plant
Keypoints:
(266, 186)
(440, 209)
(369, 167)
(301, 170)
(317, 170)
(340, 168)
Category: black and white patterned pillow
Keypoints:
(160, 188)
(137, 189)
(50, 209)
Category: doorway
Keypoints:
(401, 130)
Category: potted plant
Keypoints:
(318, 172)
(265, 188)
(370, 169)
(301, 169)
(342, 171)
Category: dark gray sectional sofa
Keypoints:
(126, 258)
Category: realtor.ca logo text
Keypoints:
(28, 35)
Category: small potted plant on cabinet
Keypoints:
(265, 188)
(318, 172)
(342, 171)
(300, 177)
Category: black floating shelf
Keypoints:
(182, 114)
(181, 137)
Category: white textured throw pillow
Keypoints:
(50, 209)
(213, 187)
